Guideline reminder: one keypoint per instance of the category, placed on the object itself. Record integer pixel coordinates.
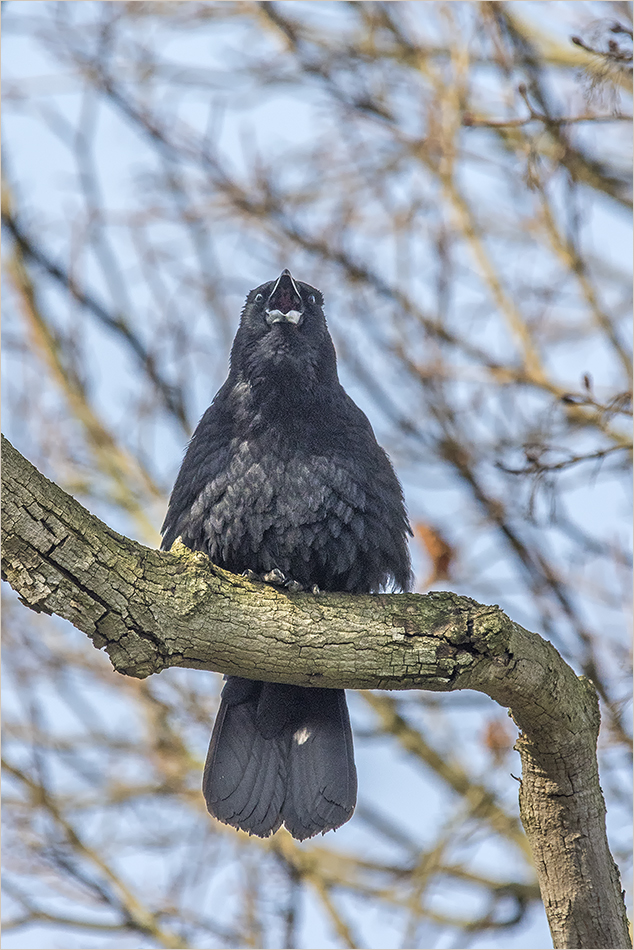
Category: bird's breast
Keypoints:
(303, 513)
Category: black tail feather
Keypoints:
(245, 774)
(321, 789)
(280, 754)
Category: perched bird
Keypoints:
(284, 479)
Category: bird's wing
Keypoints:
(203, 465)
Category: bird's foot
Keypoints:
(278, 579)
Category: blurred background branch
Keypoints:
(456, 178)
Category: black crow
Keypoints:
(284, 479)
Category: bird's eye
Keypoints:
(258, 298)
(311, 299)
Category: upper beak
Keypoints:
(285, 302)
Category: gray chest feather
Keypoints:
(304, 514)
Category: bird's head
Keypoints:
(283, 334)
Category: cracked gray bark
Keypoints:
(151, 610)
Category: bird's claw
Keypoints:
(275, 577)
(278, 579)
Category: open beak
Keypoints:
(285, 303)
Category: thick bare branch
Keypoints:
(152, 610)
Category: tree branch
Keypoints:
(152, 610)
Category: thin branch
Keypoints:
(473, 121)
(139, 917)
(172, 399)
(481, 800)
(537, 466)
